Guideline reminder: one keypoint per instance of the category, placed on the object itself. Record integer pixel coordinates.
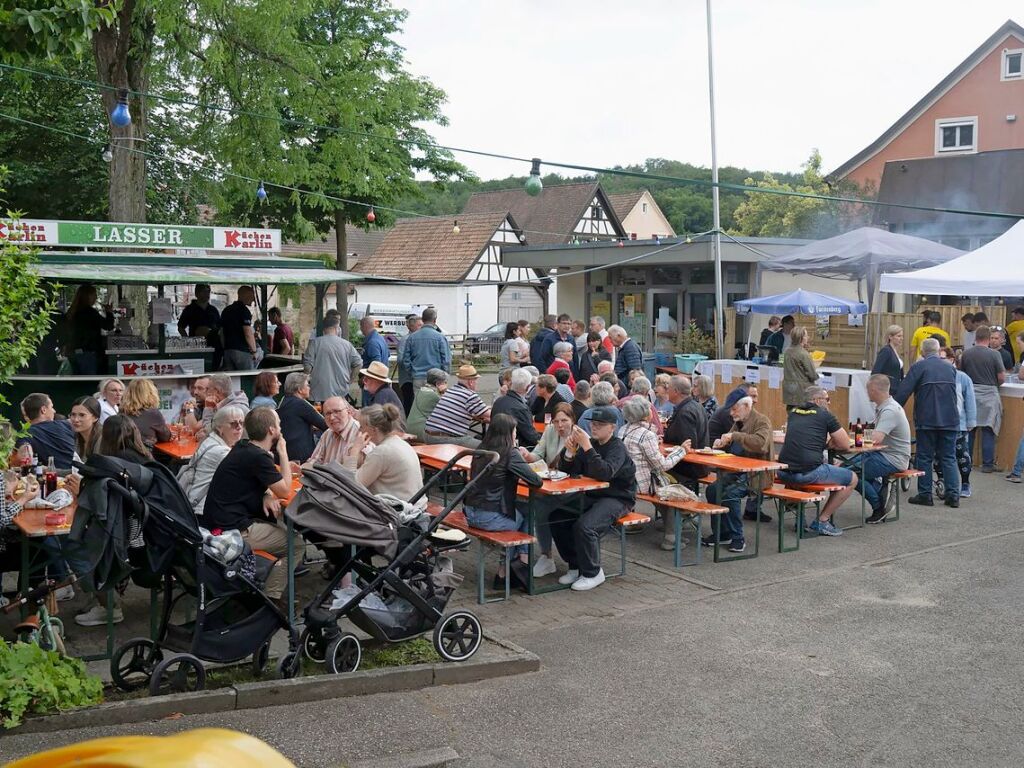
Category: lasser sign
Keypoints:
(102, 234)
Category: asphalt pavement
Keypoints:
(893, 645)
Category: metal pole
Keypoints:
(716, 240)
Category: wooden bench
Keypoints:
(628, 520)
(680, 508)
(709, 479)
(897, 477)
(785, 497)
(485, 540)
(815, 488)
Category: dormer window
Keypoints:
(1013, 64)
(958, 134)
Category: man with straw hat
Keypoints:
(459, 407)
(378, 384)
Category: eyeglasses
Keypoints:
(236, 424)
(338, 412)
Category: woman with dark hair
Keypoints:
(85, 326)
(121, 439)
(85, 423)
(592, 357)
(491, 504)
(510, 352)
(265, 389)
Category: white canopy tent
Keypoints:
(994, 269)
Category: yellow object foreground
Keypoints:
(203, 748)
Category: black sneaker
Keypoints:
(878, 516)
(951, 502)
(709, 541)
(924, 501)
(764, 518)
(737, 545)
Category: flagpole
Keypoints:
(716, 239)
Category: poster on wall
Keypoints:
(602, 308)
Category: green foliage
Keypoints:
(38, 682)
(37, 29)
(692, 340)
(770, 215)
(26, 304)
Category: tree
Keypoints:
(775, 215)
(25, 308)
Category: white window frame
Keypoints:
(1007, 53)
(949, 122)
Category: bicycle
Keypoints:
(41, 628)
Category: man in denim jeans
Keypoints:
(810, 429)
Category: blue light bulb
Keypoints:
(120, 116)
(261, 193)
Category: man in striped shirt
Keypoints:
(456, 411)
(341, 434)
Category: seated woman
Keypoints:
(85, 423)
(264, 390)
(425, 401)
(391, 466)
(548, 450)
(642, 446)
(640, 389)
(301, 425)
(142, 404)
(662, 404)
(194, 478)
(491, 504)
(120, 438)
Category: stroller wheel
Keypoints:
(288, 665)
(458, 636)
(260, 659)
(132, 665)
(344, 654)
(314, 646)
(905, 483)
(181, 673)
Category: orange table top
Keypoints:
(32, 522)
(438, 455)
(180, 451)
(728, 462)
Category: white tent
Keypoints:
(994, 269)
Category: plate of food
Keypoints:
(553, 474)
(711, 452)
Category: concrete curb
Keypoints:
(432, 758)
(272, 693)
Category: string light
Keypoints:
(261, 193)
(456, 229)
(371, 216)
(107, 155)
(533, 184)
(120, 116)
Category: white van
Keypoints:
(389, 318)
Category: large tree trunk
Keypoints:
(341, 262)
(122, 54)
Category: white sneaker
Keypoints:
(569, 577)
(544, 567)
(97, 617)
(64, 594)
(583, 583)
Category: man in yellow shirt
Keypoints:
(1013, 329)
(931, 320)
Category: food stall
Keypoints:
(188, 255)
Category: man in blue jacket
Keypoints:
(539, 341)
(932, 382)
(562, 332)
(374, 348)
(425, 349)
(628, 356)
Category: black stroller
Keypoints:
(152, 535)
(396, 601)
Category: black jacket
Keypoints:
(515, 406)
(497, 491)
(888, 362)
(299, 419)
(589, 362)
(609, 462)
(540, 407)
(720, 423)
(689, 421)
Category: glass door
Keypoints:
(663, 322)
(632, 314)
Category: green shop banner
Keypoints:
(102, 234)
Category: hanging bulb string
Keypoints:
(421, 143)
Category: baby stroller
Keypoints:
(399, 600)
(148, 522)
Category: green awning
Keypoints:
(169, 269)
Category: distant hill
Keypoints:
(688, 207)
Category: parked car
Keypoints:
(487, 342)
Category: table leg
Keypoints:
(531, 528)
(291, 573)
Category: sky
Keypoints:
(601, 83)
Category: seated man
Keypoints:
(247, 488)
(601, 395)
(192, 409)
(514, 404)
(581, 400)
(751, 436)
(578, 536)
(810, 429)
(377, 387)
(424, 402)
(611, 378)
(341, 434)
(48, 437)
(219, 394)
(892, 429)
(547, 397)
(456, 410)
(564, 389)
(689, 421)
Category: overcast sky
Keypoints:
(599, 83)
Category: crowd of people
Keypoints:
(573, 399)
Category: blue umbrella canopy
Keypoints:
(800, 302)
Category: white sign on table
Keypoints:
(726, 373)
(752, 375)
(774, 377)
(827, 381)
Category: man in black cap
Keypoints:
(600, 456)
